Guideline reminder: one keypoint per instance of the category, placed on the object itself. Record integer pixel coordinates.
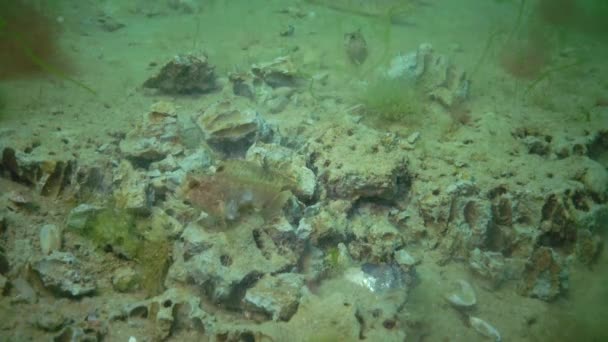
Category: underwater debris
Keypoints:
(184, 75)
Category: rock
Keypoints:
(155, 137)
(280, 72)
(50, 238)
(376, 238)
(403, 258)
(184, 75)
(51, 320)
(444, 82)
(355, 162)
(23, 292)
(463, 296)
(489, 265)
(484, 328)
(79, 217)
(63, 274)
(221, 262)
(326, 225)
(470, 221)
(87, 330)
(544, 277)
(162, 311)
(125, 279)
(291, 164)
(49, 176)
(232, 126)
(133, 191)
(277, 296)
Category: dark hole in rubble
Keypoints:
(140, 311)
(225, 260)
(470, 213)
(389, 324)
(598, 148)
(167, 303)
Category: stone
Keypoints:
(162, 312)
(133, 191)
(125, 280)
(79, 217)
(185, 74)
(291, 164)
(219, 262)
(50, 238)
(355, 162)
(403, 258)
(22, 292)
(51, 320)
(155, 137)
(275, 295)
(281, 72)
(443, 81)
(63, 273)
(48, 176)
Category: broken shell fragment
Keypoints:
(484, 328)
(464, 296)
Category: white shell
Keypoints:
(464, 297)
(484, 328)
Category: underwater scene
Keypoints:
(303, 170)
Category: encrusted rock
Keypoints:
(544, 277)
(63, 274)
(292, 165)
(163, 311)
(444, 82)
(277, 296)
(155, 137)
(221, 263)
(376, 238)
(133, 192)
(232, 126)
(281, 72)
(79, 217)
(125, 279)
(184, 74)
(470, 219)
(51, 320)
(49, 176)
(352, 162)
